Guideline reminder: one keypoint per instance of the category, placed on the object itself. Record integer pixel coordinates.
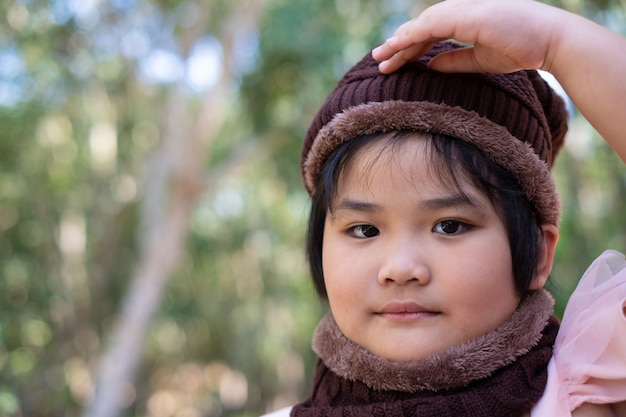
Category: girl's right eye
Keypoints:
(364, 231)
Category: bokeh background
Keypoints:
(151, 209)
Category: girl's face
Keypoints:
(412, 268)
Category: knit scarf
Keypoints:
(502, 373)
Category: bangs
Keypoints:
(444, 159)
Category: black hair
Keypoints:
(448, 155)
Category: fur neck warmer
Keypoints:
(502, 373)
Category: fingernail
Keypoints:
(392, 39)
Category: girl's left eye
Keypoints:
(364, 231)
(450, 227)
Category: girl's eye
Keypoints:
(450, 227)
(364, 231)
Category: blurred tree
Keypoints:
(151, 208)
(176, 179)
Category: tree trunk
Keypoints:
(174, 182)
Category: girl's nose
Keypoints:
(404, 263)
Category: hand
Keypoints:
(505, 35)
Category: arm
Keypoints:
(587, 59)
(594, 410)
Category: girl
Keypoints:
(435, 219)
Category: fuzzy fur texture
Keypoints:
(456, 367)
(494, 140)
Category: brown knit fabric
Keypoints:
(521, 104)
(521, 348)
(510, 392)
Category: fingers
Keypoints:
(409, 35)
(474, 59)
(384, 51)
(461, 60)
(391, 59)
(470, 59)
(416, 37)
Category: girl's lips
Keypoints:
(403, 307)
(405, 310)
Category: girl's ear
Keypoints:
(547, 247)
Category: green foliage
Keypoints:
(591, 181)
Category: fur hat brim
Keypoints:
(427, 117)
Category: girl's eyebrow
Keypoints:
(348, 204)
(437, 203)
(452, 201)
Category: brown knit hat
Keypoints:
(516, 119)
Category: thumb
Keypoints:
(458, 60)
(474, 59)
